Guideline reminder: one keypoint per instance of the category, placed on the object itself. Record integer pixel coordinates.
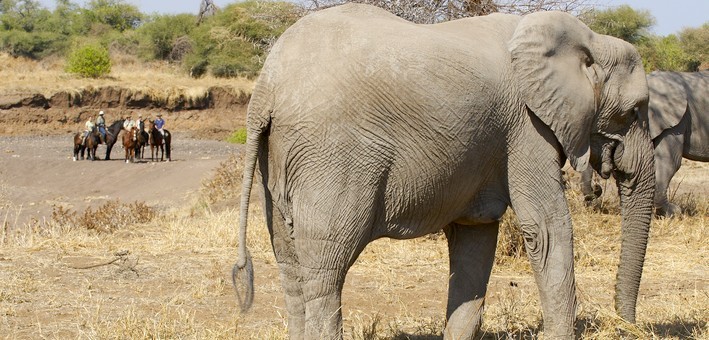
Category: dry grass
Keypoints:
(158, 79)
(174, 282)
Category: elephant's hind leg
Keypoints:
(284, 250)
(472, 251)
(327, 245)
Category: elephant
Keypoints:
(678, 114)
(363, 125)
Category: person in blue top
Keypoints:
(159, 124)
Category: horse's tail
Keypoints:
(167, 142)
(258, 123)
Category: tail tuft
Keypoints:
(242, 276)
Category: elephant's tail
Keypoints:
(243, 272)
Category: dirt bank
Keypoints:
(213, 113)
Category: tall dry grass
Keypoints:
(175, 282)
(23, 76)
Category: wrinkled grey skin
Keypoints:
(678, 117)
(365, 126)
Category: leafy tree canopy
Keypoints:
(622, 22)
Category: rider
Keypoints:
(128, 123)
(89, 127)
(159, 124)
(139, 123)
(101, 124)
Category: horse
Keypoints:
(112, 136)
(159, 143)
(130, 141)
(88, 144)
(79, 146)
(142, 141)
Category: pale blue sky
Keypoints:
(670, 15)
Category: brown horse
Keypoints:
(130, 140)
(88, 145)
(159, 143)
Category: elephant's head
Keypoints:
(590, 89)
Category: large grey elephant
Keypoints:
(364, 125)
(678, 117)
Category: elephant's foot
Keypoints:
(323, 317)
(668, 210)
(465, 321)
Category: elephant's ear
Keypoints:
(668, 103)
(558, 79)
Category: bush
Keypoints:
(665, 54)
(238, 137)
(109, 217)
(160, 35)
(33, 45)
(90, 61)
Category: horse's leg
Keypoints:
(108, 151)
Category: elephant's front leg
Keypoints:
(546, 226)
(472, 251)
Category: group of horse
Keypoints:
(134, 142)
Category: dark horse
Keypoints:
(130, 142)
(141, 143)
(88, 145)
(112, 136)
(157, 142)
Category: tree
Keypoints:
(665, 54)
(24, 31)
(236, 40)
(206, 9)
(433, 11)
(160, 35)
(117, 14)
(695, 42)
(22, 15)
(621, 22)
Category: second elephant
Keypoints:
(678, 118)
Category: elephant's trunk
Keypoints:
(635, 176)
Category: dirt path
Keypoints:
(37, 173)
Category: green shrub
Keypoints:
(30, 44)
(160, 35)
(90, 61)
(238, 137)
(665, 54)
(196, 66)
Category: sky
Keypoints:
(670, 15)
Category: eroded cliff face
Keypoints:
(211, 113)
